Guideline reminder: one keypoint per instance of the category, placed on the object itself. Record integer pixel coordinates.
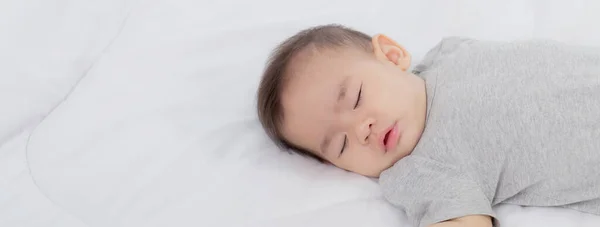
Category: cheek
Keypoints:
(385, 98)
(361, 160)
(396, 93)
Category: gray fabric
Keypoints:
(515, 123)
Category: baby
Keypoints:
(475, 124)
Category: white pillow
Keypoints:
(162, 131)
(45, 47)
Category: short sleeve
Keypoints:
(430, 191)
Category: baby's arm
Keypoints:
(467, 221)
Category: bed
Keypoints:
(141, 113)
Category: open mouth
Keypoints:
(390, 139)
(387, 136)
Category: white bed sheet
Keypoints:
(21, 203)
(161, 130)
(45, 48)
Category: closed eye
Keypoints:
(343, 145)
(358, 98)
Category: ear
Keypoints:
(387, 50)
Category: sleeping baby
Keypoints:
(473, 125)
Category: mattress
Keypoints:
(141, 113)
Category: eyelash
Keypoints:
(343, 145)
(355, 105)
(359, 95)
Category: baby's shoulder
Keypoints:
(444, 48)
(419, 171)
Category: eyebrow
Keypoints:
(342, 90)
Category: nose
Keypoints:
(363, 130)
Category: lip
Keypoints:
(393, 138)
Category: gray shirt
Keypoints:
(515, 123)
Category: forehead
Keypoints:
(316, 76)
(311, 92)
(322, 68)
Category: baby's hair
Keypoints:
(269, 107)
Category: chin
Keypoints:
(376, 170)
(374, 174)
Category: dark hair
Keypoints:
(269, 107)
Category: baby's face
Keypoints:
(358, 112)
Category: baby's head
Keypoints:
(343, 97)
